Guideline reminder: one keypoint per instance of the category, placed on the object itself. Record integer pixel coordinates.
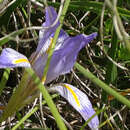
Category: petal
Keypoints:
(79, 101)
(78, 42)
(63, 58)
(69, 51)
(51, 16)
(45, 40)
(46, 34)
(10, 58)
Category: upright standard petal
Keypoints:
(79, 101)
(10, 58)
(45, 40)
(63, 57)
(46, 34)
(51, 16)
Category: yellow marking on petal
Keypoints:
(20, 61)
(73, 93)
(50, 46)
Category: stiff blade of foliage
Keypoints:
(102, 85)
(97, 6)
(20, 94)
(4, 79)
(48, 99)
(64, 10)
(42, 89)
(112, 68)
(93, 6)
(111, 73)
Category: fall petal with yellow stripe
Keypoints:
(79, 101)
(10, 58)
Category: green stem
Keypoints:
(50, 53)
(111, 73)
(48, 99)
(102, 85)
(4, 79)
(66, 4)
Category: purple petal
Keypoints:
(44, 39)
(10, 58)
(79, 101)
(51, 16)
(69, 51)
(46, 34)
(63, 58)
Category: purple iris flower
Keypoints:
(63, 59)
(66, 50)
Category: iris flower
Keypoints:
(63, 59)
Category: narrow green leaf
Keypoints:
(111, 72)
(48, 99)
(4, 79)
(13, 104)
(102, 85)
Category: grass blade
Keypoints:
(102, 85)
